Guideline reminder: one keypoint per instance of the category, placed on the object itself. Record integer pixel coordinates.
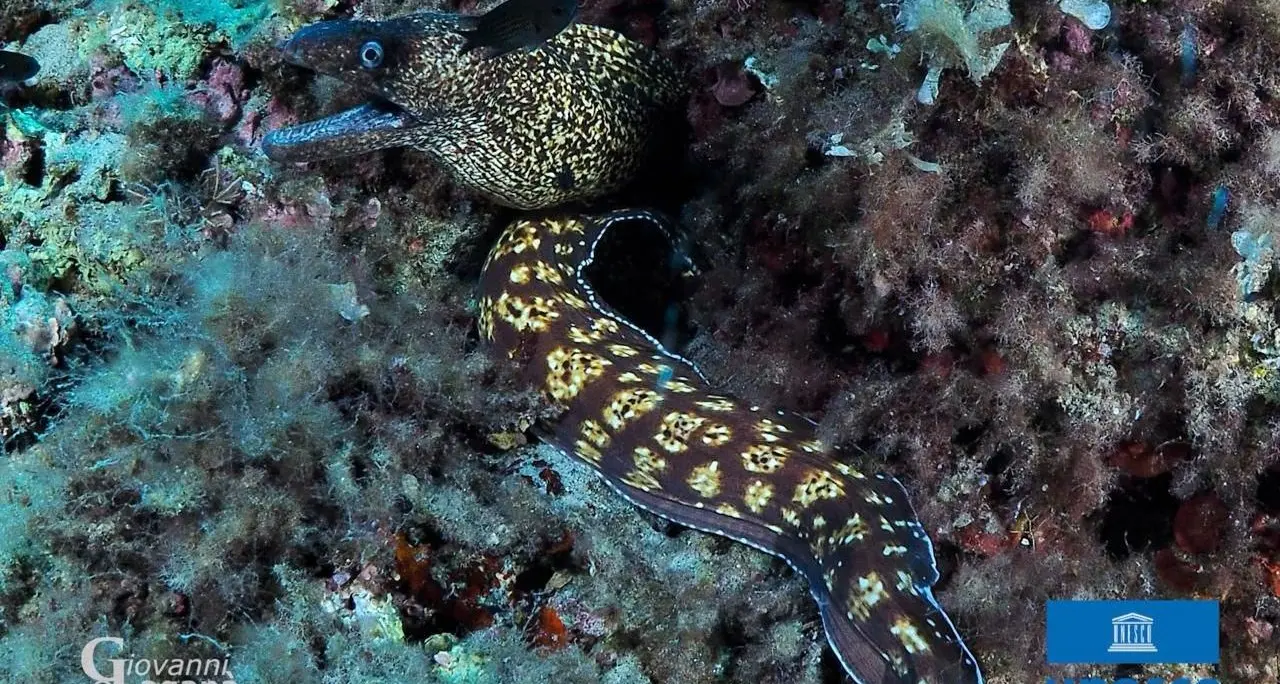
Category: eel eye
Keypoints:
(371, 54)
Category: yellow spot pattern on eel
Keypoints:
(622, 350)
(905, 630)
(815, 486)
(569, 371)
(673, 434)
(573, 300)
(679, 386)
(717, 435)
(705, 480)
(647, 422)
(869, 592)
(648, 466)
(535, 313)
(629, 405)
(594, 433)
(766, 459)
(587, 452)
(758, 494)
(716, 405)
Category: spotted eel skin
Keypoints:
(647, 421)
(567, 121)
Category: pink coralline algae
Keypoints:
(255, 123)
(733, 87)
(1079, 39)
(1077, 42)
(15, 156)
(105, 81)
(223, 93)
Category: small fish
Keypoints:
(16, 66)
(520, 24)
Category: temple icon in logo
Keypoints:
(1131, 633)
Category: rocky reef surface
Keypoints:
(1020, 259)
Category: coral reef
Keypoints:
(1023, 262)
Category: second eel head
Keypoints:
(568, 118)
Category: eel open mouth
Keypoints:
(373, 126)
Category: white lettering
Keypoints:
(90, 668)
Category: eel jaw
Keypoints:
(367, 128)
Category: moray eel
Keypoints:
(647, 421)
(567, 121)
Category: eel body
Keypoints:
(569, 120)
(646, 420)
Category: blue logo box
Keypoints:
(1113, 632)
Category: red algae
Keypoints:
(1199, 523)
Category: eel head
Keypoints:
(411, 67)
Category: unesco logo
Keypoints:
(1131, 632)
